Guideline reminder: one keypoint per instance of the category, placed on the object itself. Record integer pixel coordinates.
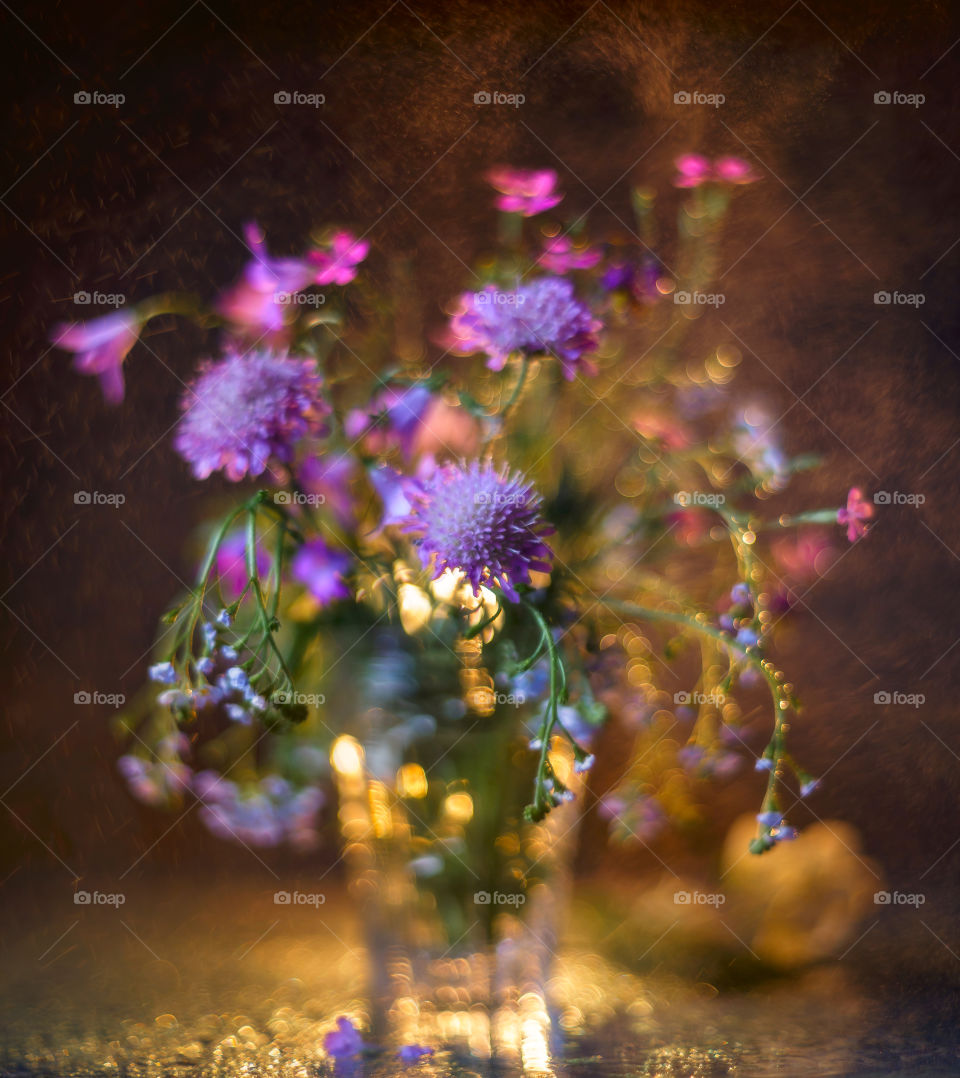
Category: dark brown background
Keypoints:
(199, 147)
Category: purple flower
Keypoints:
(764, 763)
(855, 515)
(393, 419)
(328, 477)
(769, 819)
(245, 409)
(100, 347)
(638, 281)
(231, 564)
(321, 570)
(265, 813)
(524, 191)
(394, 491)
(560, 256)
(808, 786)
(260, 301)
(338, 264)
(345, 1041)
(482, 521)
(413, 1053)
(544, 316)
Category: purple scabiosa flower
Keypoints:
(245, 409)
(482, 521)
(344, 1041)
(338, 264)
(857, 512)
(544, 316)
(413, 1053)
(524, 191)
(321, 570)
(100, 347)
(560, 256)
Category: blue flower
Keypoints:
(164, 673)
(770, 819)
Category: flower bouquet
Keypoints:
(458, 557)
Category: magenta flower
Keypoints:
(694, 169)
(231, 565)
(100, 347)
(338, 264)
(858, 510)
(524, 191)
(345, 1041)
(544, 316)
(483, 522)
(259, 302)
(246, 409)
(321, 570)
(560, 256)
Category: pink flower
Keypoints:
(857, 511)
(694, 169)
(559, 255)
(100, 347)
(338, 265)
(524, 191)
